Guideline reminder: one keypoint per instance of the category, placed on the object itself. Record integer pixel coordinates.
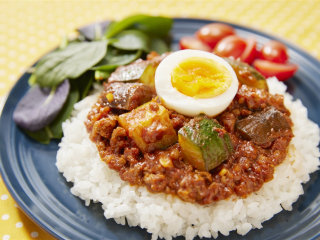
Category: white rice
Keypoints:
(166, 216)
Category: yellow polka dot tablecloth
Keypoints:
(29, 29)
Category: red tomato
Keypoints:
(230, 46)
(193, 43)
(274, 51)
(282, 71)
(250, 52)
(212, 33)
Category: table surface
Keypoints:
(29, 29)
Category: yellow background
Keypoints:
(29, 29)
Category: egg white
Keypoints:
(183, 104)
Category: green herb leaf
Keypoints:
(70, 62)
(132, 40)
(158, 26)
(56, 125)
(115, 58)
(40, 136)
(159, 46)
(84, 83)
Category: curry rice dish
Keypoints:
(256, 164)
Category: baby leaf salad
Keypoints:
(63, 77)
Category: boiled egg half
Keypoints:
(192, 82)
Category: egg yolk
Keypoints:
(200, 77)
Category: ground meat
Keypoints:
(244, 172)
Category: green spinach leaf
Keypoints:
(56, 125)
(158, 26)
(40, 136)
(115, 58)
(84, 83)
(132, 40)
(159, 46)
(70, 62)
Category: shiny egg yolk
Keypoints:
(199, 77)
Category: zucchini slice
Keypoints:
(204, 143)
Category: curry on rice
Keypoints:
(150, 145)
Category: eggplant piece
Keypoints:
(263, 127)
(127, 96)
(149, 126)
(142, 71)
(248, 75)
(204, 143)
(138, 71)
(129, 73)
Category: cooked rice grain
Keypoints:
(166, 216)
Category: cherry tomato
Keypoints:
(274, 51)
(193, 43)
(282, 71)
(250, 52)
(230, 46)
(212, 33)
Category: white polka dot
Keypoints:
(2, 73)
(61, 31)
(12, 65)
(32, 39)
(73, 35)
(34, 234)
(42, 33)
(31, 29)
(22, 46)
(33, 50)
(6, 237)
(12, 53)
(12, 32)
(3, 49)
(15, 205)
(22, 58)
(19, 224)
(21, 70)
(12, 42)
(42, 44)
(5, 216)
(3, 38)
(2, 86)
(52, 37)
(51, 27)
(4, 197)
(12, 77)
(22, 35)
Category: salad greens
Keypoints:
(73, 67)
(70, 62)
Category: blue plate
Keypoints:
(29, 172)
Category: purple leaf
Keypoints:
(88, 31)
(40, 106)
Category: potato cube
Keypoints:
(149, 126)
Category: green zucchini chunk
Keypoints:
(204, 143)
